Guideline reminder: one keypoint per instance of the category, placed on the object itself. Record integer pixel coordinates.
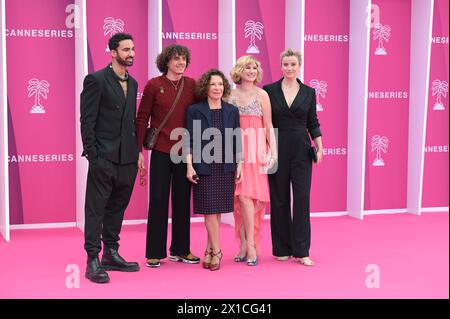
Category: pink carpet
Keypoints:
(411, 253)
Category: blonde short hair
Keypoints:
(291, 52)
(240, 65)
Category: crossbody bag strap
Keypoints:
(172, 108)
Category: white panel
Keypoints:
(4, 181)
(385, 211)
(227, 54)
(43, 226)
(295, 28)
(421, 28)
(81, 70)
(357, 104)
(154, 35)
(434, 209)
(227, 36)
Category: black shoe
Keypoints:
(111, 260)
(94, 271)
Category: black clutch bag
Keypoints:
(313, 153)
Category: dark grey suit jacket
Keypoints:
(108, 118)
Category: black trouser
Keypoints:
(291, 235)
(163, 174)
(108, 192)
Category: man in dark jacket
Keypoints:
(108, 108)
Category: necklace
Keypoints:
(124, 78)
(175, 86)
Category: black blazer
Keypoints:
(233, 139)
(108, 118)
(301, 116)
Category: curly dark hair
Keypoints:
(168, 52)
(203, 84)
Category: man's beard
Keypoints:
(124, 62)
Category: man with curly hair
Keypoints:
(159, 96)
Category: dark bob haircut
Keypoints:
(203, 84)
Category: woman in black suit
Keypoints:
(293, 116)
(213, 157)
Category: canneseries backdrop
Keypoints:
(382, 92)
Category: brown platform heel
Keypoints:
(206, 264)
(219, 256)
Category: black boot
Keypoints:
(94, 271)
(111, 260)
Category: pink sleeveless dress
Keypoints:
(255, 183)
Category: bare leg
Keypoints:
(212, 223)
(243, 243)
(213, 226)
(248, 216)
(208, 249)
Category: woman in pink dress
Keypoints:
(259, 151)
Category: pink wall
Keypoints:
(272, 18)
(129, 19)
(193, 24)
(435, 178)
(387, 111)
(40, 46)
(326, 62)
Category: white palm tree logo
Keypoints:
(253, 30)
(38, 89)
(379, 144)
(381, 32)
(321, 90)
(439, 88)
(112, 26)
